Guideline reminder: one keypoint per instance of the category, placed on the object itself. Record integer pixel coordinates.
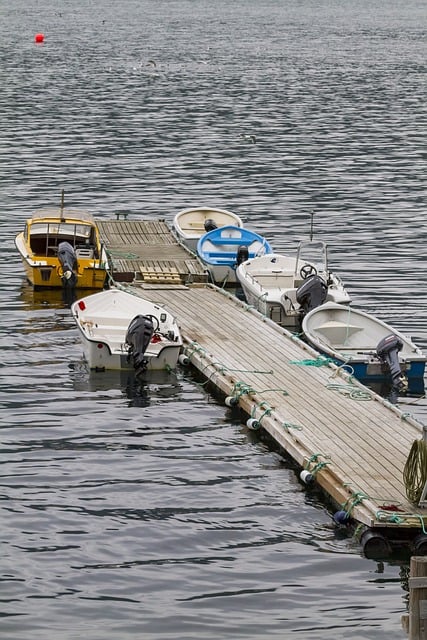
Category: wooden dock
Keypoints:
(346, 438)
(146, 250)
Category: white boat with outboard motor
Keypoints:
(284, 287)
(189, 225)
(121, 330)
(369, 348)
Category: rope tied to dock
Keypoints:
(350, 390)
(291, 425)
(242, 389)
(320, 464)
(321, 361)
(115, 253)
(297, 337)
(283, 391)
(194, 347)
(355, 499)
(222, 368)
(261, 405)
(384, 516)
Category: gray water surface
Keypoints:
(150, 511)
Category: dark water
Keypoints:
(149, 511)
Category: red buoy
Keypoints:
(39, 38)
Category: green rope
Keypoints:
(290, 425)
(297, 337)
(194, 347)
(353, 501)
(415, 471)
(358, 531)
(384, 516)
(318, 362)
(242, 389)
(123, 254)
(267, 411)
(314, 470)
(350, 390)
(394, 518)
(261, 405)
(222, 368)
(283, 391)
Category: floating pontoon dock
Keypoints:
(146, 251)
(345, 437)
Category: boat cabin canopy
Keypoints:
(46, 229)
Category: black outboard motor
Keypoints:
(387, 351)
(242, 254)
(68, 259)
(312, 293)
(138, 336)
(210, 225)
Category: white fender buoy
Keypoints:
(253, 424)
(184, 360)
(231, 401)
(306, 476)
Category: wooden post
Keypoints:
(418, 598)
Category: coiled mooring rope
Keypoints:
(415, 471)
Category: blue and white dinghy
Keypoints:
(222, 250)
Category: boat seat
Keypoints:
(236, 241)
(279, 281)
(105, 323)
(337, 332)
(221, 255)
(195, 225)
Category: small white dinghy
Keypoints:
(284, 287)
(120, 330)
(373, 350)
(189, 225)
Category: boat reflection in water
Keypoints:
(152, 387)
(55, 298)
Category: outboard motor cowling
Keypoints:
(68, 259)
(210, 225)
(242, 254)
(387, 351)
(312, 293)
(138, 336)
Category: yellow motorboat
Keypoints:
(62, 248)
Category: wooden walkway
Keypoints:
(353, 442)
(146, 250)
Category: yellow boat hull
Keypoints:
(47, 272)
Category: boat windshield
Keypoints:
(61, 229)
(314, 252)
